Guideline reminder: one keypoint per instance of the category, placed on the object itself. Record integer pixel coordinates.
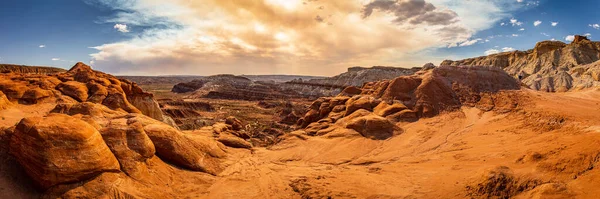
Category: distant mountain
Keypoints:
(357, 76)
(279, 78)
(551, 66)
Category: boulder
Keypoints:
(60, 149)
(236, 124)
(131, 146)
(117, 100)
(13, 90)
(384, 109)
(373, 127)
(76, 90)
(351, 91)
(35, 95)
(97, 92)
(406, 115)
(192, 152)
(235, 142)
(361, 102)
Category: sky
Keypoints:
(303, 37)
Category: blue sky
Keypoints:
(204, 37)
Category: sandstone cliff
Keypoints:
(551, 66)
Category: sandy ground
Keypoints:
(550, 138)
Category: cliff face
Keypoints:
(357, 76)
(9, 68)
(551, 66)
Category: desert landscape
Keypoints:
(300, 99)
(464, 129)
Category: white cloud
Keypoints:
(470, 42)
(537, 23)
(221, 36)
(570, 38)
(554, 23)
(587, 35)
(595, 26)
(507, 49)
(55, 59)
(121, 28)
(515, 35)
(491, 51)
(515, 22)
(522, 29)
(496, 51)
(545, 34)
(42, 46)
(520, 1)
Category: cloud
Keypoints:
(121, 28)
(522, 29)
(595, 26)
(55, 59)
(286, 36)
(491, 51)
(42, 46)
(413, 11)
(470, 42)
(515, 22)
(496, 51)
(554, 23)
(570, 38)
(537, 23)
(507, 49)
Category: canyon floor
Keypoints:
(545, 148)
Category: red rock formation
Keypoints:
(60, 149)
(406, 99)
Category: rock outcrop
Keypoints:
(551, 66)
(373, 112)
(60, 149)
(4, 102)
(81, 84)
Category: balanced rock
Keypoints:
(60, 149)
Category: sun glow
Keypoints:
(287, 4)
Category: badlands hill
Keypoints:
(551, 66)
(243, 88)
(447, 132)
(357, 76)
(12, 68)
